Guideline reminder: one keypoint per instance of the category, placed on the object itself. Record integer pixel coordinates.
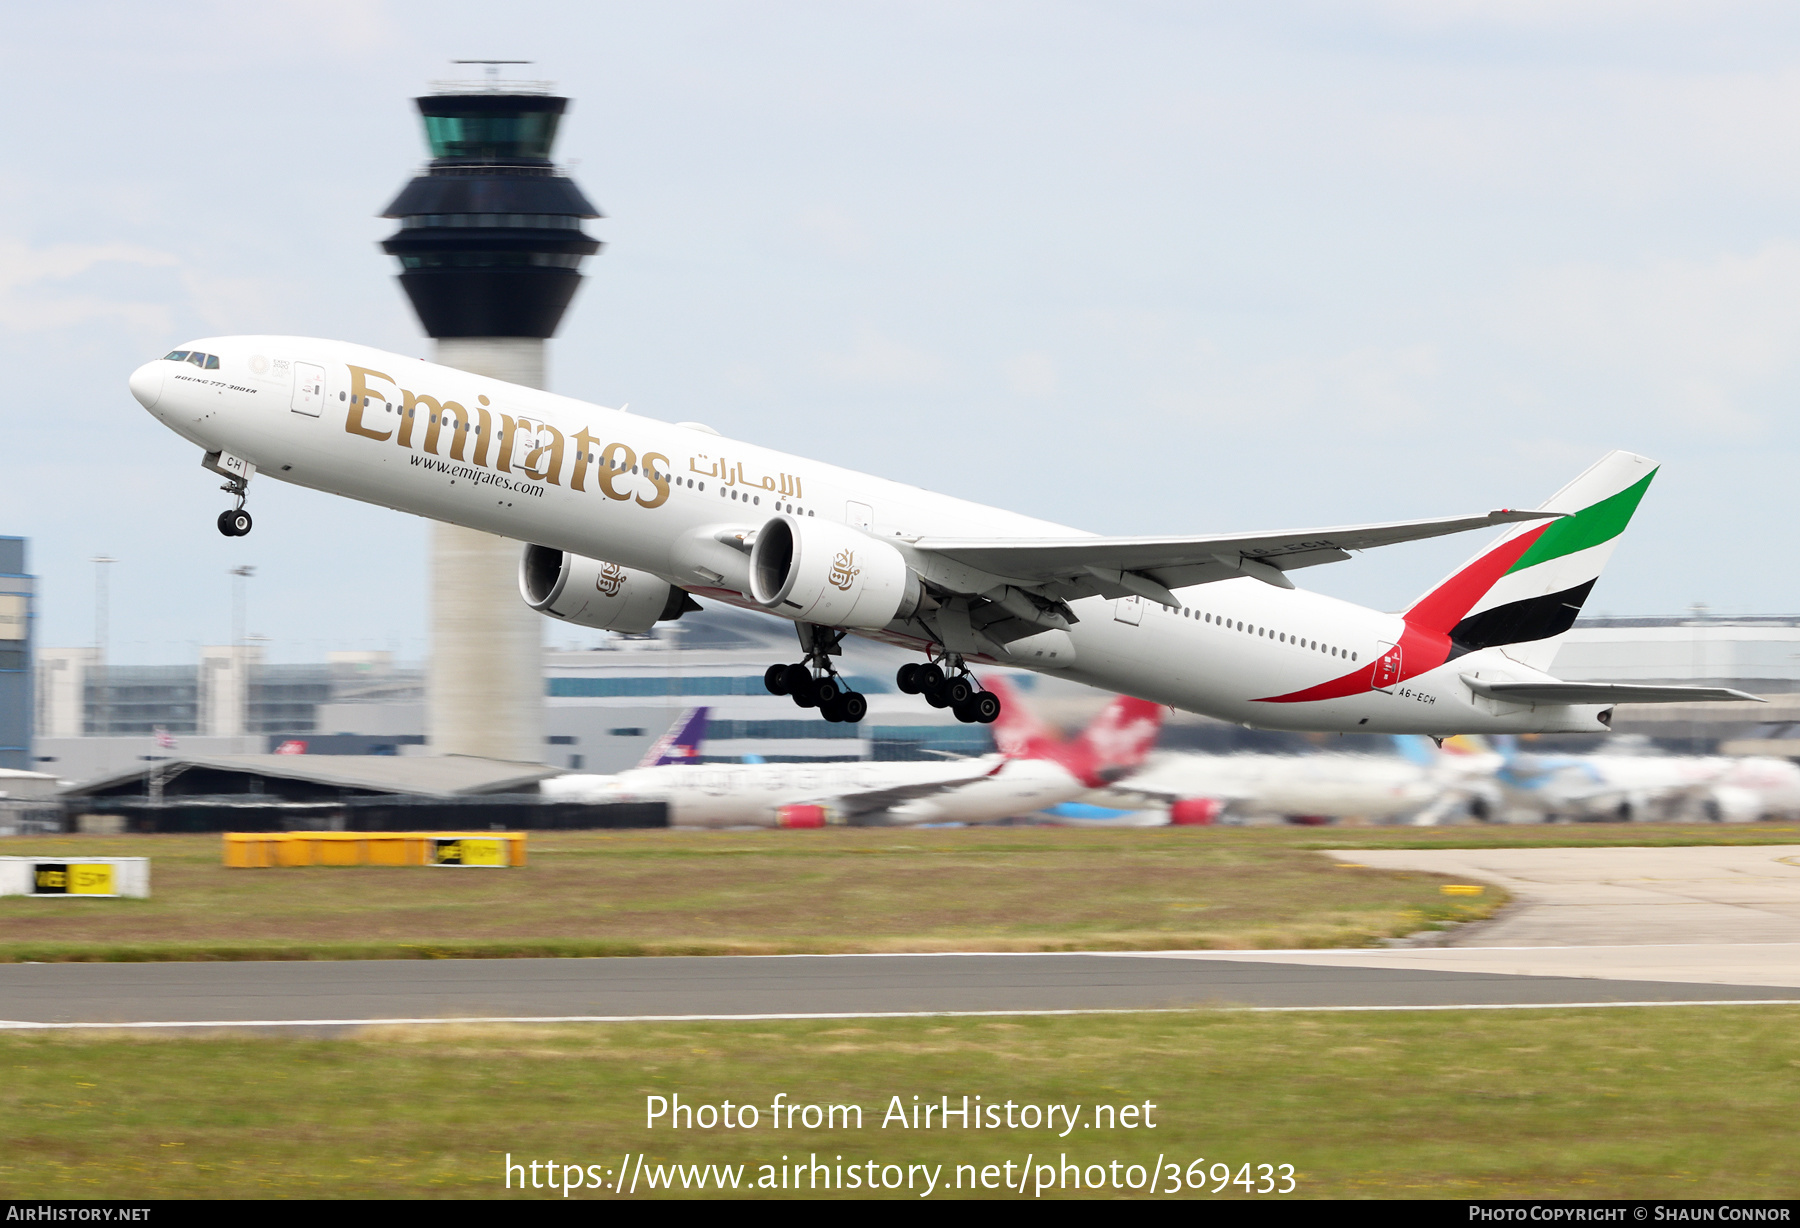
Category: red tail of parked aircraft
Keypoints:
(1114, 743)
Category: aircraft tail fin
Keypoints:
(1525, 590)
(1117, 741)
(681, 743)
(1114, 743)
(1018, 732)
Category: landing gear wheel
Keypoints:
(965, 712)
(928, 678)
(908, 678)
(234, 523)
(827, 691)
(775, 679)
(852, 708)
(935, 698)
(795, 681)
(958, 691)
(833, 711)
(986, 707)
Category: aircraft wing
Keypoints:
(867, 801)
(1072, 567)
(1603, 693)
(1172, 793)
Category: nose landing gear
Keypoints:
(236, 522)
(237, 473)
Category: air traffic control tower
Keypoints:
(490, 246)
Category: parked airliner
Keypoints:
(626, 516)
(1029, 774)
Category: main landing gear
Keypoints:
(236, 522)
(957, 690)
(813, 683)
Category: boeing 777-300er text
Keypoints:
(1030, 774)
(626, 516)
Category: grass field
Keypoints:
(669, 892)
(633, 893)
(1677, 1102)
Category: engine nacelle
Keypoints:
(800, 816)
(1195, 812)
(590, 593)
(819, 572)
(1732, 804)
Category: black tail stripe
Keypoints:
(1519, 622)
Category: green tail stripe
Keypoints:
(1592, 525)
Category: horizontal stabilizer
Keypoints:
(1603, 693)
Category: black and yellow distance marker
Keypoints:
(469, 851)
(73, 878)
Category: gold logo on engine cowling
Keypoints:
(610, 580)
(844, 570)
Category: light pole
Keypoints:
(240, 668)
(102, 684)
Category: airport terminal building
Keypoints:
(604, 707)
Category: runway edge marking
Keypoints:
(8, 1025)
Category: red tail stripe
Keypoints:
(1447, 604)
(1420, 650)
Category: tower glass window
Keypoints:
(492, 134)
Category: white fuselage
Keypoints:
(1642, 786)
(389, 451)
(1368, 786)
(754, 794)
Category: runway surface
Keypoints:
(1612, 897)
(1589, 927)
(340, 993)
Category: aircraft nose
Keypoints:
(147, 384)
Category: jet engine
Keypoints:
(1732, 804)
(1195, 812)
(819, 572)
(590, 593)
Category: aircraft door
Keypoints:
(860, 516)
(1129, 610)
(309, 389)
(1387, 670)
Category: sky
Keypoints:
(1133, 267)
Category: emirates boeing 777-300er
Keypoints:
(623, 517)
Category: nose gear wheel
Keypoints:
(236, 522)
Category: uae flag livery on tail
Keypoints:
(1527, 589)
(1522, 593)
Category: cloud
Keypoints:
(835, 231)
(877, 359)
(349, 27)
(1704, 341)
(29, 301)
(1032, 375)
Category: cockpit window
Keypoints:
(197, 358)
(175, 356)
(212, 362)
